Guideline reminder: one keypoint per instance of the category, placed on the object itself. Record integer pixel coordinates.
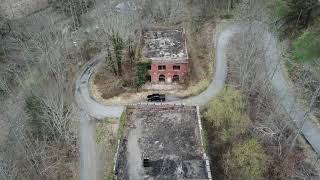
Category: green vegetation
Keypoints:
(114, 58)
(42, 120)
(226, 125)
(122, 125)
(118, 45)
(295, 14)
(141, 72)
(107, 139)
(246, 160)
(123, 54)
(226, 114)
(306, 47)
(103, 131)
(133, 51)
(111, 65)
(35, 109)
(281, 8)
(298, 20)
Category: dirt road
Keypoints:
(88, 169)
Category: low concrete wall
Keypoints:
(205, 157)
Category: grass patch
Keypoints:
(120, 133)
(306, 47)
(122, 125)
(199, 87)
(205, 80)
(104, 131)
(107, 138)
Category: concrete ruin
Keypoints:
(167, 50)
(162, 142)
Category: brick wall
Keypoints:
(169, 72)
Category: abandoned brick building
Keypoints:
(167, 50)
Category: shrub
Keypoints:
(40, 121)
(122, 125)
(295, 15)
(34, 108)
(118, 45)
(281, 8)
(246, 161)
(141, 72)
(226, 114)
(306, 47)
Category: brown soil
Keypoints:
(108, 84)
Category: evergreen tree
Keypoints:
(118, 46)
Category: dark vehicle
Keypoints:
(156, 98)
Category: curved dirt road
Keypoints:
(85, 101)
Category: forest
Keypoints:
(249, 132)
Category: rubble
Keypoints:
(168, 141)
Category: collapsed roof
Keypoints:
(164, 44)
(163, 142)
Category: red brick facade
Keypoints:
(170, 74)
(167, 50)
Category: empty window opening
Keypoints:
(162, 67)
(175, 78)
(176, 67)
(146, 163)
(149, 67)
(162, 78)
(148, 78)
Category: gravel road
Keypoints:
(85, 101)
(88, 168)
(309, 129)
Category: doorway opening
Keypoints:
(162, 78)
(175, 78)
